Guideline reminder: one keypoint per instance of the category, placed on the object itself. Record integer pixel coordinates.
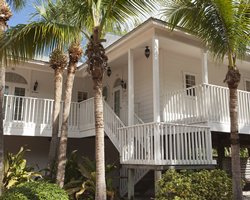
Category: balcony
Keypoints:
(206, 104)
(29, 116)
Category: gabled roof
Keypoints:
(151, 23)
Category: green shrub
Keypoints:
(35, 191)
(83, 187)
(16, 170)
(188, 185)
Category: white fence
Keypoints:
(203, 103)
(166, 144)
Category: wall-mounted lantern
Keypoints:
(35, 86)
(109, 72)
(147, 52)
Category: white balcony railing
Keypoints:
(166, 144)
(203, 103)
(28, 111)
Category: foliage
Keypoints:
(202, 185)
(222, 25)
(71, 170)
(83, 186)
(243, 152)
(16, 170)
(35, 191)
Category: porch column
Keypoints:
(204, 66)
(131, 172)
(130, 87)
(220, 151)
(156, 102)
(131, 184)
(156, 79)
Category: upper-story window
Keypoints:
(190, 82)
(81, 96)
(247, 85)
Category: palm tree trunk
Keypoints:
(58, 81)
(97, 64)
(75, 53)
(233, 79)
(2, 86)
(99, 144)
(64, 129)
(5, 16)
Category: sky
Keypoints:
(23, 15)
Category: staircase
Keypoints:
(154, 144)
(112, 124)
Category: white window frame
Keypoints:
(184, 81)
(245, 83)
(82, 92)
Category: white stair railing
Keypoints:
(112, 124)
(166, 144)
(86, 115)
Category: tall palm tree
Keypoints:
(58, 62)
(98, 17)
(50, 32)
(224, 26)
(92, 18)
(75, 53)
(5, 15)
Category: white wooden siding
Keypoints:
(144, 88)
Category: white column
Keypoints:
(130, 87)
(131, 172)
(204, 66)
(156, 104)
(156, 79)
(131, 184)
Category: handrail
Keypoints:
(203, 103)
(164, 123)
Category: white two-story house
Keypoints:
(165, 104)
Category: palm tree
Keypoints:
(5, 15)
(224, 26)
(50, 32)
(58, 62)
(75, 53)
(98, 17)
(92, 18)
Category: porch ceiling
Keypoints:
(171, 46)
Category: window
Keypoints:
(14, 78)
(190, 82)
(105, 93)
(81, 96)
(247, 85)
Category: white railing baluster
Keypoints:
(204, 102)
(179, 144)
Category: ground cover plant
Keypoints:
(191, 185)
(36, 190)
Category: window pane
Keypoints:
(190, 82)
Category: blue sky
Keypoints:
(23, 15)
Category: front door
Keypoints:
(16, 102)
(18, 107)
(117, 101)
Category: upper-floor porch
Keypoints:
(206, 104)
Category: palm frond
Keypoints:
(220, 24)
(16, 4)
(27, 41)
(108, 14)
